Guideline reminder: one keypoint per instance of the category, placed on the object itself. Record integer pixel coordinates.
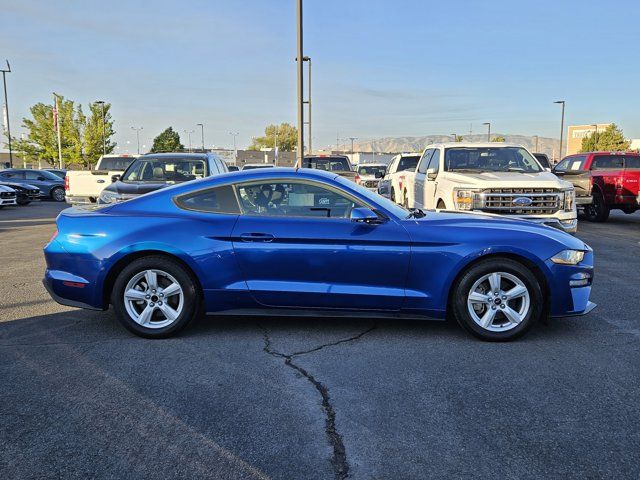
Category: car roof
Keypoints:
(175, 155)
(635, 154)
(474, 145)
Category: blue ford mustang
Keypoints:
(290, 242)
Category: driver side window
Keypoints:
(424, 161)
(294, 199)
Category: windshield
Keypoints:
(376, 199)
(170, 170)
(371, 170)
(408, 163)
(332, 164)
(490, 159)
(115, 163)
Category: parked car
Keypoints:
(85, 186)
(154, 171)
(50, 185)
(289, 242)
(8, 196)
(543, 160)
(57, 171)
(233, 168)
(338, 164)
(614, 180)
(370, 174)
(25, 193)
(254, 166)
(394, 177)
(495, 178)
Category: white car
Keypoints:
(8, 196)
(85, 186)
(369, 174)
(497, 178)
(394, 177)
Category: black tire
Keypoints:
(192, 298)
(476, 272)
(57, 194)
(598, 211)
(393, 195)
(441, 205)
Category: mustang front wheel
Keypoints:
(155, 297)
(498, 299)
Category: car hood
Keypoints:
(508, 180)
(136, 188)
(20, 186)
(497, 227)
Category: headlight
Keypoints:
(107, 196)
(568, 257)
(464, 199)
(569, 200)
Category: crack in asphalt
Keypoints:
(339, 458)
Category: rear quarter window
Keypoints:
(215, 200)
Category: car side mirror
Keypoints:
(115, 178)
(364, 215)
(379, 174)
(432, 173)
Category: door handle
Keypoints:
(256, 237)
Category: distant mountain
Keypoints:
(417, 144)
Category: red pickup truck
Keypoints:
(614, 181)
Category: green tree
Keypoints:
(92, 135)
(42, 142)
(167, 141)
(285, 134)
(459, 138)
(611, 140)
(499, 139)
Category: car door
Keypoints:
(613, 165)
(431, 180)
(35, 178)
(297, 247)
(419, 179)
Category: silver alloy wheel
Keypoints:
(153, 299)
(498, 301)
(58, 194)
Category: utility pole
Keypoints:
(6, 109)
(137, 136)
(352, 139)
(488, 124)
(300, 75)
(202, 134)
(104, 135)
(275, 146)
(562, 102)
(308, 102)
(56, 119)
(235, 149)
(337, 141)
(536, 143)
(189, 132)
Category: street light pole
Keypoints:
(300, 75)
(57, 120)
(104, 134)
(202, 132)
(308, 102)
(352, 139)
(536, 143)
(137, 136)
(235, 149)
(488, 124)
(561, 128)
(189, 132)
(6, 109)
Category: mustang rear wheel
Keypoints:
(155, 297)
(498, 300)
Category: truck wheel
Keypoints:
(441, 205)
(598, 211)
(393, 195)
(58, 194)
(497, 300)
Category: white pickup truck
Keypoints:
(85, 186)
(494, 178)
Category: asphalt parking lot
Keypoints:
(316, 399)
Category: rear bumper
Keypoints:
(80, 200)
(48, 284)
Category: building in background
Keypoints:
(576, 133)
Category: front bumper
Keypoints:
(8, 201)
(586, 200)
(566, 225)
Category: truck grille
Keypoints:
(543, 201)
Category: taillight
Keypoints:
(357, 179)
(66, 183)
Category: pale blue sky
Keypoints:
(381, 68)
